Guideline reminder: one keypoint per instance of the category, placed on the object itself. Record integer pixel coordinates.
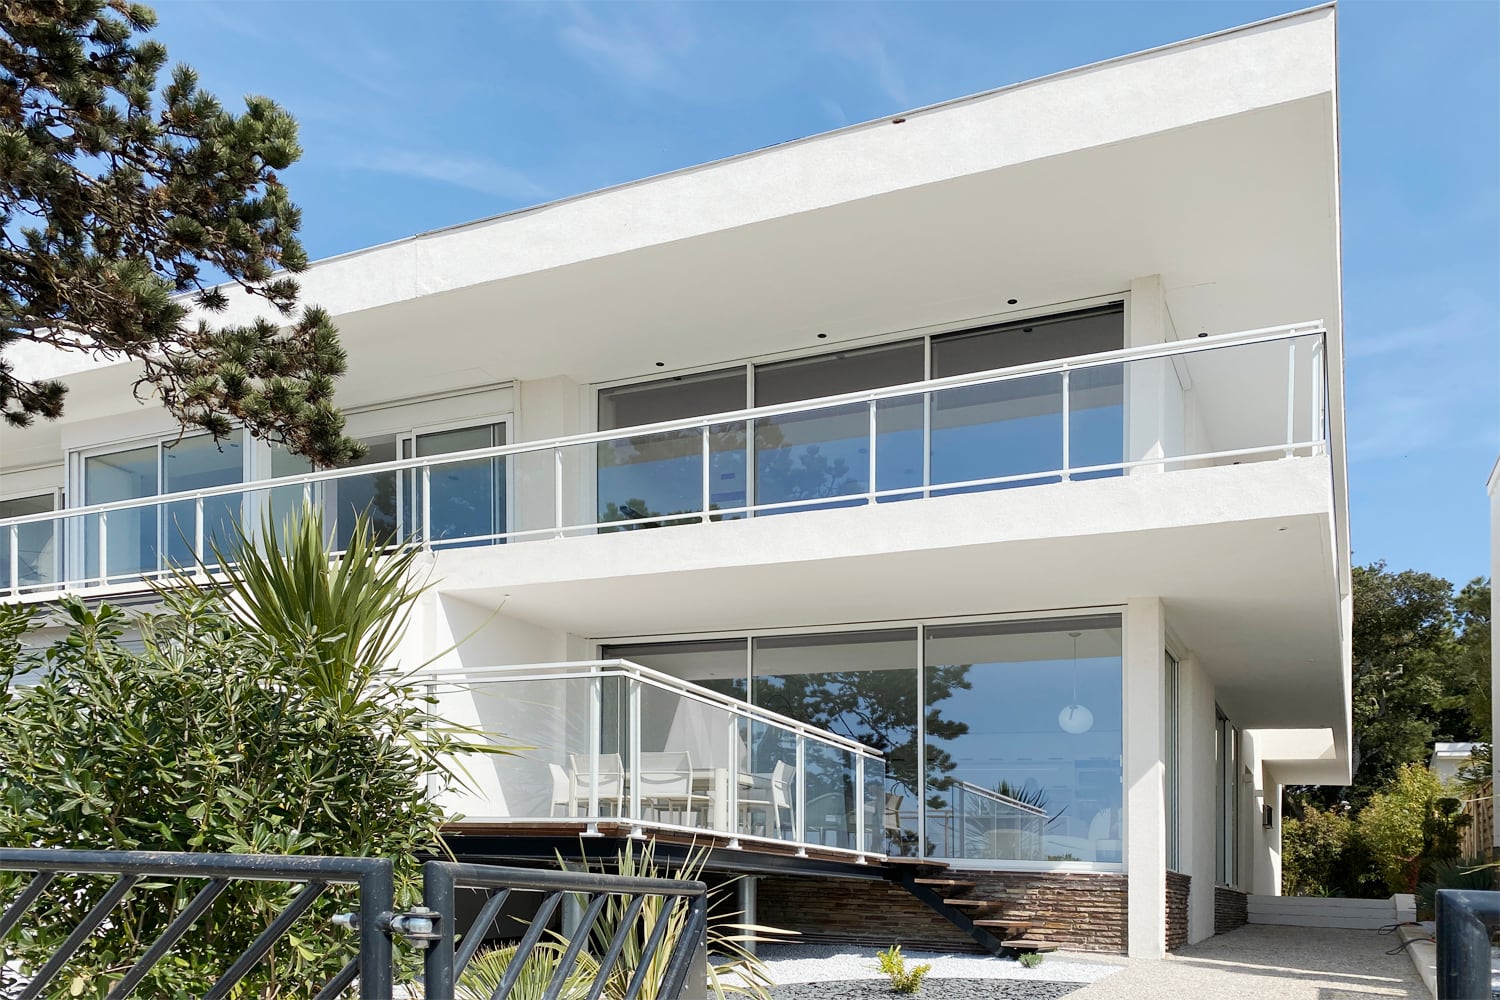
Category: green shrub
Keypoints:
(1030, 959)
(903, 980)
(1313, 851)
(1410, 818)
(255, 720)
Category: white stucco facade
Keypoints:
(1191, 189)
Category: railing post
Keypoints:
(437, 895)
(557, 491)
(103, 547)
(1066, 432)
(926, 444)
(799, 821)
(732, 792)
(1317, 430)
(860, 805)
(874, 436)
(596, 723)
(14, 570)
(707, 484)
(426, 507)
(376, 900)
(1291, 396)
(633, 747)
(198, 530)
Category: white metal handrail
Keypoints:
(1101, 360)
(575, 669)
(194, 519)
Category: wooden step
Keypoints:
(921, 864)
(1017, 924)
(977, 904)
(1023, 944)
(945, 883)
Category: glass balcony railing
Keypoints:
(615, 742)
(1217, 400)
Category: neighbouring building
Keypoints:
(944, 518)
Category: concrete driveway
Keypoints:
(1259, 961)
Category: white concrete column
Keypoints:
(1198, 766)
(1153, 399)
(1145, 776)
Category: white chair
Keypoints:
(611, 782)
(769, 796)
(665, 781)
(563, 796)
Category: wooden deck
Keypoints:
(522, 842)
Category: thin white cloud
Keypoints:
(470, 172)
(638, 45)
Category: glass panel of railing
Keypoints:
(377, 495)
(126, 539)
(1250, 399)
(533, 494)
(34, 552)
(650, 479)
(899, 446)
(877, 805)
(686, 760)
(813, 455)
(1009, 430)
(833, 796)
(768, 790)
(465, 501)
(574, 767)
(193, 529)
(967, 821)
(1096, 420)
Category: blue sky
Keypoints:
(421, 115)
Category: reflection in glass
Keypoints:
(862, 685)
(130, 547)
(660, 475)
(825, 453)
(36, 547)
(199, 463)
(1011, 783)
(721, 665)
(995, 430)
(468, 498)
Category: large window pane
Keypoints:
(468, 498)
(199, 463)
(373, 494)
(659, 475)
(37, 545)
(826, 453)
(1024, 740)
(862, 685)
(717, 664)
(1015, 428)
(130, 535)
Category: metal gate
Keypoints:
(653, 914)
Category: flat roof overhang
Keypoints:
(1241, 555)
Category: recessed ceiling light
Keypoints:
(897, 121)
(661, 364)
(1010, 302)
(1027, 329)
(822, 336)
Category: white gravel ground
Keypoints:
(815, 963)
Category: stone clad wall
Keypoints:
(1080, 911)
(1178, 885)
(1231, 909)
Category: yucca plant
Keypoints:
(485, 971)
(737, 973)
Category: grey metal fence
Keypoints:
(1466, 920)
(654, 917)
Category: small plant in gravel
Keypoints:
(903, 980)
(1030, 959)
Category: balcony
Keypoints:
(613, 742)
(1221, 400)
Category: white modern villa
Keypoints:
(943, 519)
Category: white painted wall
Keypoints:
(1197, 822)
(1145, 777)
(1260, 846)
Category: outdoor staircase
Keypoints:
(993, 921)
